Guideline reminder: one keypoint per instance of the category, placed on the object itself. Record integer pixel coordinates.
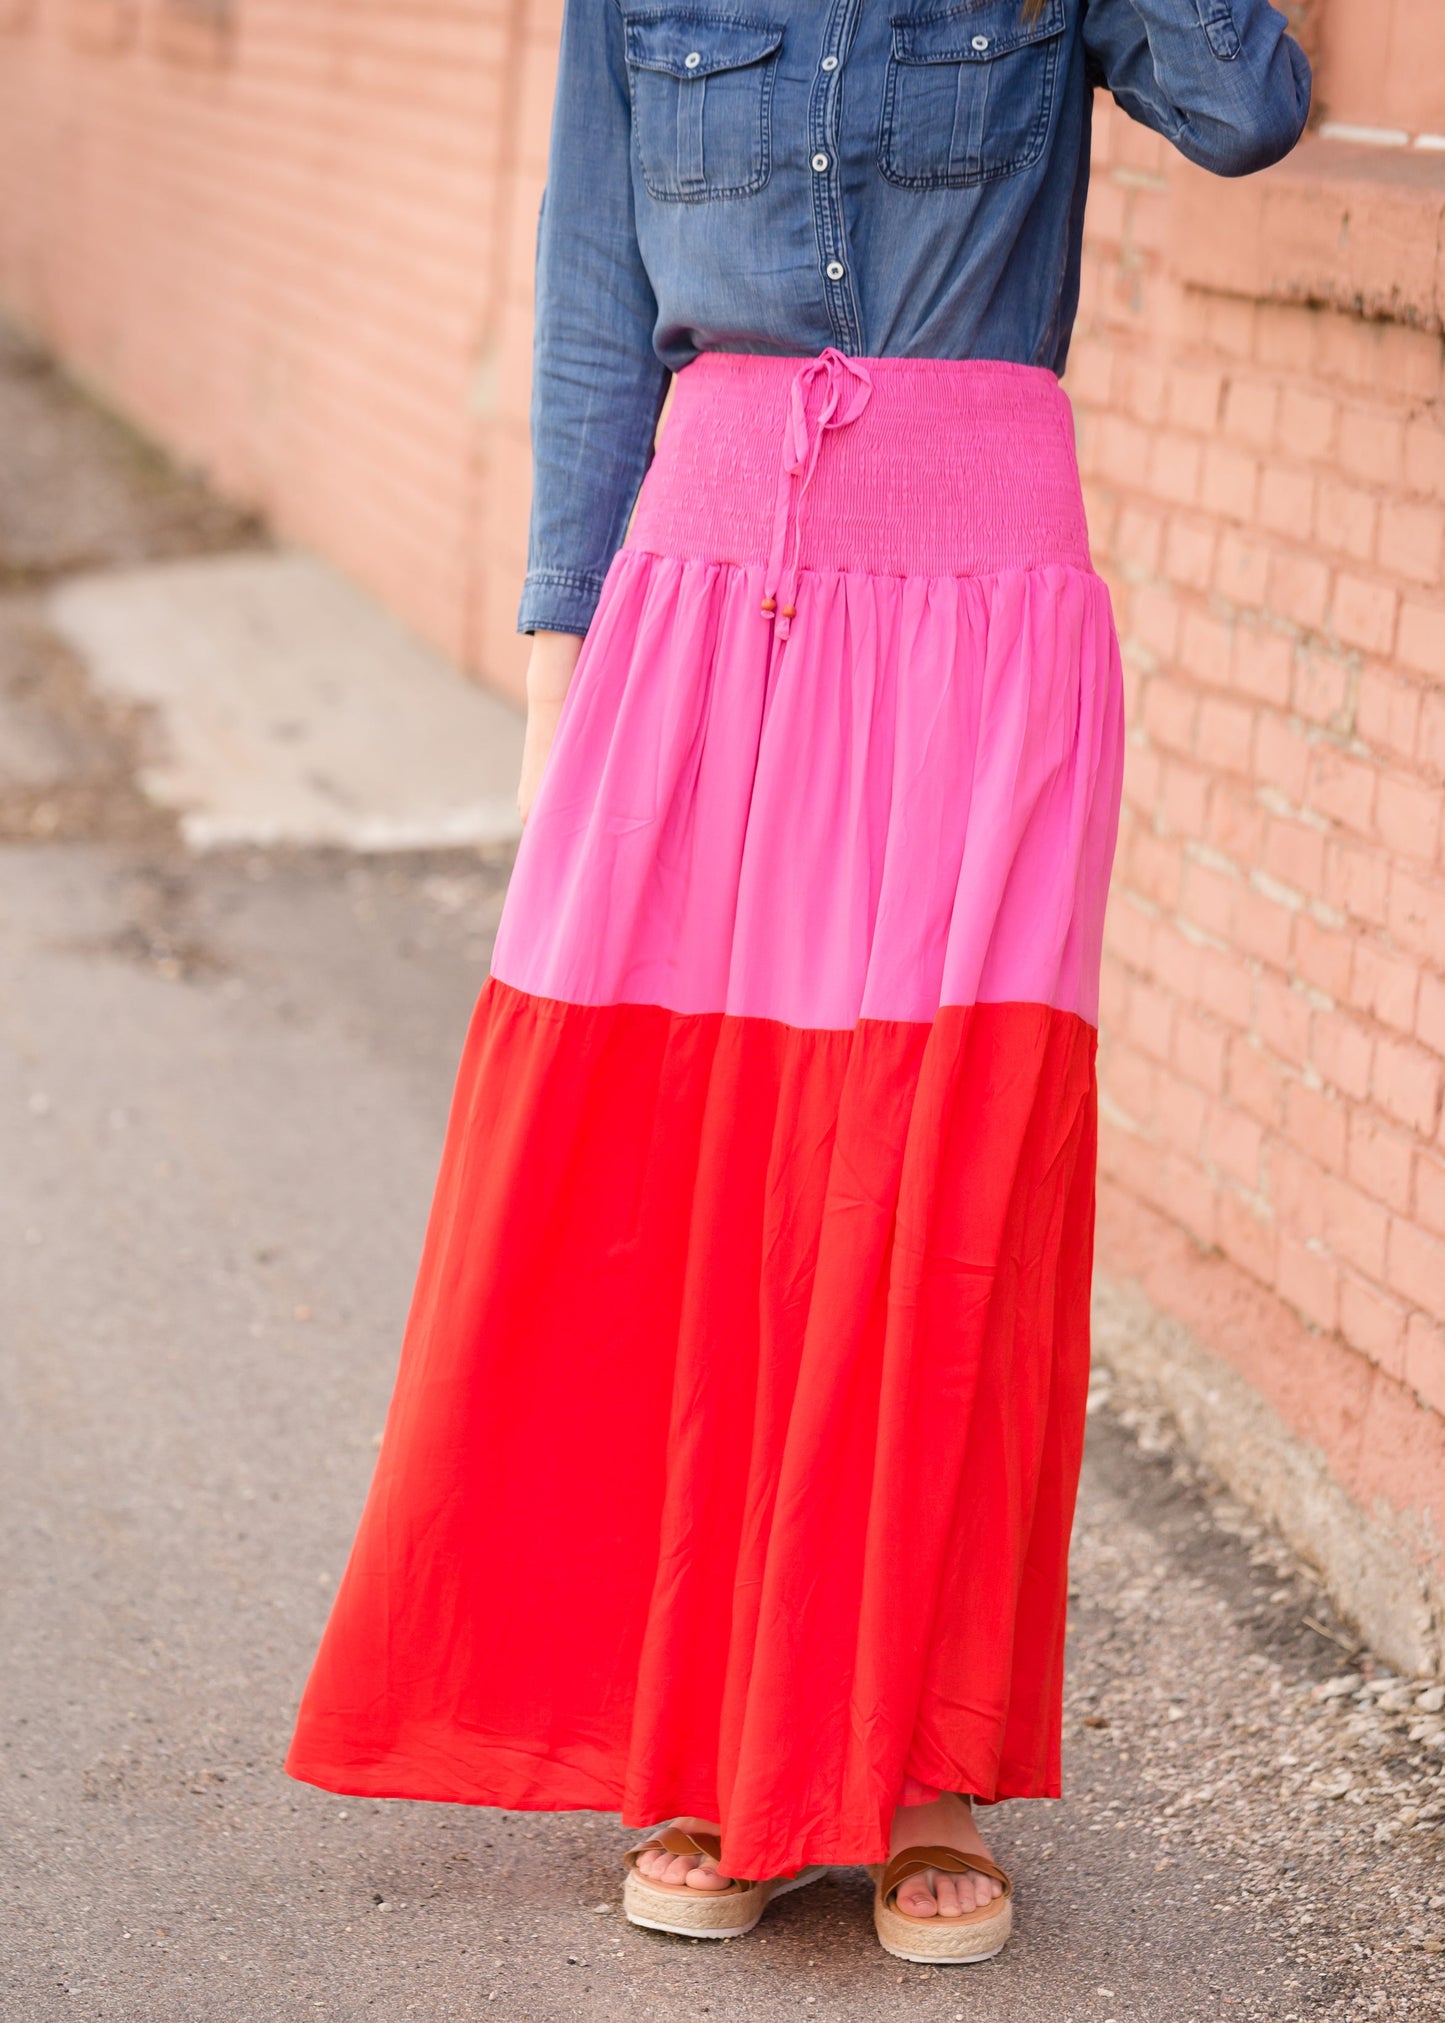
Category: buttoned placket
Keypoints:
(826, 177)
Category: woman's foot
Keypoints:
(946, 1822)
(698, 1871)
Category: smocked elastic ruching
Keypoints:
(995, 439)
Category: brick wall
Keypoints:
(276, 233)
(295, 241)
(1265, 468)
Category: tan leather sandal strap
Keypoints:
(677, 1840)
(912, 1861)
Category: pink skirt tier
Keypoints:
(734, 1449)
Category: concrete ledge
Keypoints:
(1373, 1577)
(1344, 1458)
(1336, 224)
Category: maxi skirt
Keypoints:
(732, 1459)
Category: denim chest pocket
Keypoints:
(968, 93)
(702, 92)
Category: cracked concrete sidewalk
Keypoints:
(224, 1076)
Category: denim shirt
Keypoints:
(783, 175)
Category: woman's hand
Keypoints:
(549, 675)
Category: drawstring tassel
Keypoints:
(802, 444)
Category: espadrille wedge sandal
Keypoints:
(699, 1914)
(939, 1941)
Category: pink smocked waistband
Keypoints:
(900, 466)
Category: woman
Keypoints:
(733, 1455)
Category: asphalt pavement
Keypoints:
(223, 1079)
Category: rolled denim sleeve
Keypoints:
(1221, 79)
(597, 383)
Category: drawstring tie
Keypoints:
(846, 393)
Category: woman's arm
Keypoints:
(1221, 79)
(597, 383)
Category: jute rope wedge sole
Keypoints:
(939, 1941)
(699, 1914)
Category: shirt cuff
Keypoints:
(559, 600)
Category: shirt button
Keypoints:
(834, 270)
(830, 63)
(694, 58)
(979, 42)
(820, 162)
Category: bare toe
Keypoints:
(954, 1895)
(706, 1877)
(915, 1899)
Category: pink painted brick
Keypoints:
(1281, 755)
(1322, 686)
(1317, 1124)
(1322, 954)
(1256, 1082)
(1287, 501)
(1405, 1082)
(1307, 422)
(1342, 1050)
(1149, 1019)
(1299, 589)
(1417, 913)
(1356, 1227)
(1229, 481)
(1170, 712)
(1364, 611)
(1343, 788)
(1425, 455)
(1357, 880)
(1183, 803)
(1421, 642)
(1237, 823)
(1387, 711)
(1417, 1266)
(1411, 539)
(1180, 1114)
(1262, 927)
(1346, 517)
(1251, 408)
(1430, 1014)
(1138, 534)
(1227, 990)
(1372, 444)
(1408, 816)
(1424, 1368)
(1192, 1198)
(1189, 552)
(1385, 982)
(1373, 1322)
(1246, 1237)
(1295, 854)
(1194, 396)
(1296, 1190)
(1430, 749)
(1175, 465)
(1309, 1280)
(1199, 1050)
(1224, 729)
(1153, 620)
(1282, 1020)
(1380, 1160)
(1430, 1193)
(1241, 569)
